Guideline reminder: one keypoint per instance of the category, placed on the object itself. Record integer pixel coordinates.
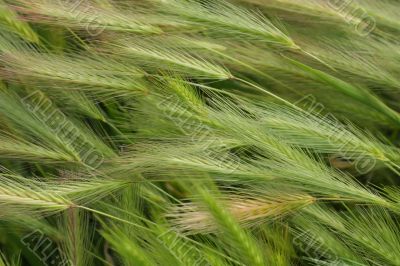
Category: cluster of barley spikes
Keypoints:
(199, 132)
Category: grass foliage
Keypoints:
(199, 132)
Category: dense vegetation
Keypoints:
(199, 132)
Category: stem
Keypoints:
(111, 217)
(255, 70)
(392, 166)
(317, 59)
(269, 93)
